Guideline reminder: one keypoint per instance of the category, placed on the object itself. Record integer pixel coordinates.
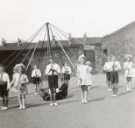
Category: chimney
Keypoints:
(19, 41)
(85, 37)
(3, 42)
(69, 36)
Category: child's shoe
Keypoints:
(4, 108)
(51, 104)
(85, 101)
(23, 107)
(20, 107)
(114, 95)
(55, 104)
(82, 102)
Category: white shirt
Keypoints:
(84, 74)
(66, 69)
(108, 66)
(116, 66)
(5, 77)
(50, 67)
(36, 73)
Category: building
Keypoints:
(12, 53)
(120, 42)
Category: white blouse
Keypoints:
(50, 67)
(107, 67)
(66, 69)
(36, 73)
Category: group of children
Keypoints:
(18, 85)
(19, 82)
(112, 68)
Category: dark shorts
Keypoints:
(36, 80)
(114, 77)
(84, 87)
(128, 79)
(66, 76)
(53, 82)
(108, 76)
(3, 89)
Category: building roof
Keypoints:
(74, 42)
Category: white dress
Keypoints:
(84, 74)
(19, 83)
(129, 70)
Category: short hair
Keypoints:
(88, 63)
(2, 66)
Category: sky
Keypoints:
(21, 18)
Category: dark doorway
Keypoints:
(90, 54)
(105, 52)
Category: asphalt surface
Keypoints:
(102, 110)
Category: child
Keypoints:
(19, 82)
(107, 69)
(4, 87)
(52, 71)
(128, 66)
(115, 75)
(36, 78)
(84, 77)
(66, 72)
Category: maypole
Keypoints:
(49, 40)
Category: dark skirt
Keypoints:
(108, 76)
(36, 80)
(114, 77)
(3, 89)
(53, 81)
(66, 76)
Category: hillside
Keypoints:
(121, 42)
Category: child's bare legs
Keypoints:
(84, 93)
(20, 101)
(115, 89)
(109, 85)
(23, 102)
(128, 84)
(53, 97)
(37, 88)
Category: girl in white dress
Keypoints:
(128, 66)
(84, 77)
(19, 83)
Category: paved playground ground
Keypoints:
(102, 110)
